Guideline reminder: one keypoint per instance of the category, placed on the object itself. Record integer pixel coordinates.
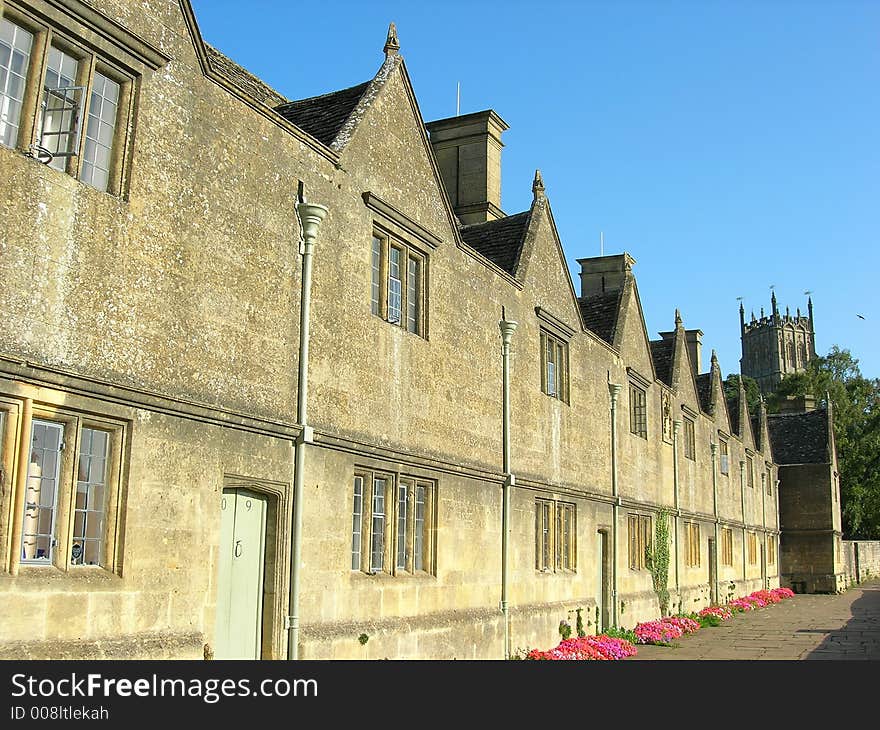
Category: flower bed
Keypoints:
(587, 647)
(662, 631)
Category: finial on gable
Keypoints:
(538, 185)
(714, 359)
(392, 44)
(677, 318)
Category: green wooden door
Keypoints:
(240, 575)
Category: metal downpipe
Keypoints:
(507, 329)
(310, 217)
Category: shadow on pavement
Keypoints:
(859, 638)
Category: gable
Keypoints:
(542, 267)
(630, 336)
(683, 380)
(384, 149)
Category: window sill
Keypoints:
(421, 576)
(45, 577)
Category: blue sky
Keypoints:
(727, 146)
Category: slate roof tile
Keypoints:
(323, 116)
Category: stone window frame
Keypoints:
(727, 546)
(100, 47)
(692, 550)
(752, 548)
(554, 336)
(362, 501)
(395, 229)
(689, 438)
(63, 528)
(771, 549)
(750, 470)
(555, 536)
(639, 538)
(638, 410)
(724, 456)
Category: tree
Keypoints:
(856, 407)
(753, 392)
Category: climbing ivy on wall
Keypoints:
(657, 560)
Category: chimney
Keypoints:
(468, 152)
(600, 274)
(797, 404)
(695, 348)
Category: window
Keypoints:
(771, 549)
(690, 444)
(752, 548)
(692, 544)
(397, 287)
(638, 412)
(726, 546)
(392, 524)
(554, 366)
(639, 540)
(725, 457)
(750, 472)
(769, 480)
(71, 492)
(555, 536)
(68, 107)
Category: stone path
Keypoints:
(844, 626)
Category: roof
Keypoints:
(799, 438)
(756, 430)
(600, 313)
(243, 79)
(704, 391)
(500, 241)
(733, 410)
(323, 116)
(662, 352)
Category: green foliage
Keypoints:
(619, 633)
(753, 392)
(564, 629)
(856, 410)
(657, 560)
(363, 638)
(579, 624)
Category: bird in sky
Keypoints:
(859, 316)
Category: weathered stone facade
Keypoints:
(165, 313)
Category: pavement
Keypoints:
(842, 626)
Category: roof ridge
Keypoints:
(290, 102)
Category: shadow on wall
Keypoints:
(859, 638)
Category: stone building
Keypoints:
(776, 345)
(252, 374)
(811, 551)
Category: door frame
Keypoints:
(276, 558)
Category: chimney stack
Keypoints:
(468, 152)
(600, 274)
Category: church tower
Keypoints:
(776, 345)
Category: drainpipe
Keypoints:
(778, 535)
(742, 491)
(764, 530)
(310, 217)
(507, 329)
(614, 390)
(714, 448)
(676, 427)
